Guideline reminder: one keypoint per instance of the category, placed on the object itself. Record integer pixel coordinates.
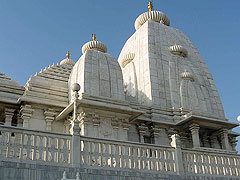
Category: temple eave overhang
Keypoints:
(85, 101)
(209, 122)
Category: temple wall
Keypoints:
(27, 171)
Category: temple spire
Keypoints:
(94, 37)
(68, 55)
(150, 6)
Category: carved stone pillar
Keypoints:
(84, 123)
(170, 132)
(8, 116)
(49, 117)
(68, 123)
(155, 131)
(233, 142)
(194, 128)
(176, 143)
(142, 129)
(125, 125)
(214, 141)
(26, 112)
(115, 123)
(224, 139)
(20, 121)
(205, 140)
(95, 119)
(184, 139)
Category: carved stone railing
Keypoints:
(30, 145)
(23, 145)
(126, 155)
(214, 164)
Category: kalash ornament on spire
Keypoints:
(150, 6)
(156, 16)
(67, 60)
(94, 44)
(68, 55)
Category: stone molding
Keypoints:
(9, 112)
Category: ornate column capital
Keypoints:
(155, 131)
(95, 119)
(224, 138)
(49, 118)
(142, 129)
(26, 112)
(125, 124)
(115, 122)
(9, 112)
(233, 141)
(194, 128)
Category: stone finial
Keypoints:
(64, 176)
(94, 37)
(127, 58)
(178, 50)
(76, 87)
(68, 55)
(77, 176)
(238, 118)
(187, 76)
(67, 60)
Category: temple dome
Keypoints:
(156, 16)
(67, 62)
(98, 73)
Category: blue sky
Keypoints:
(35, 34)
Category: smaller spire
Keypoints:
(68, 55)
(150, 6)
(94, 37)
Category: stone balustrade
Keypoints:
(48, 148)
(126, 155)
(209, 163)
(23, 144)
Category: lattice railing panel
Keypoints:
(126, 155)
(22, 144)
(197, 162)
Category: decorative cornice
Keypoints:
(97, 45)
(26, 111)
(178, 50)
(156, 16)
